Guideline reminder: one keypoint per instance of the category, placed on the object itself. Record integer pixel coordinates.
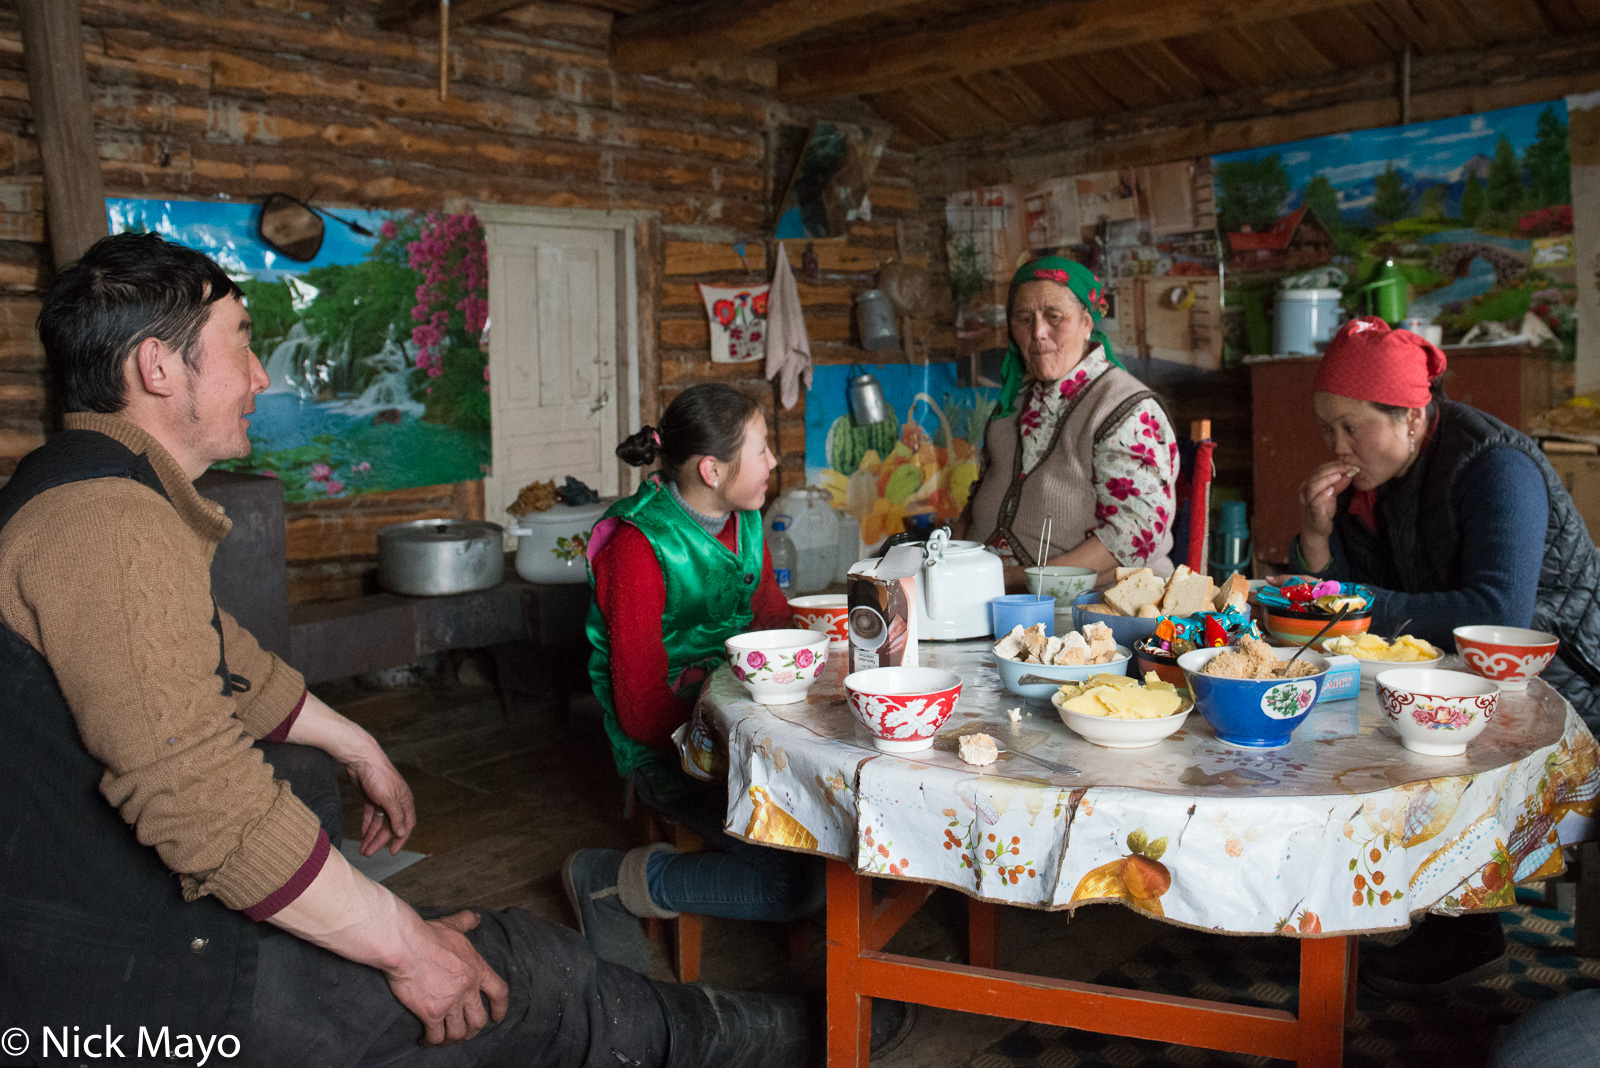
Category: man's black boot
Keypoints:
(1441, 954)
(711, 1028)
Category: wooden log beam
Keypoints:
(1073, 27)
(675, 33)
(58, 94)
(1443, 85)
(422, 16)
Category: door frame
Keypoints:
(625, 225)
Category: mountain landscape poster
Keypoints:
(1475, 211)
(376, 349)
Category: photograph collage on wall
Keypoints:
(376, 349)
(1150, 232)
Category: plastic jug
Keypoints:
(813, 527)
(1386, 294)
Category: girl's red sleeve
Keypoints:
(633, 598)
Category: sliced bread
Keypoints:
(1138, 589)
(1187, 593)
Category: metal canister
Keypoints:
(875, 320)
(867, 405)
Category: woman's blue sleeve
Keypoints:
(1503, 510)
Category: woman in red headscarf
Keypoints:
(1453, 518)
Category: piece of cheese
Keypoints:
(1137, 702)
(977, 749)
(1010, 646)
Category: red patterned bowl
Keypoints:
(1508, 655)
(902, 708)
(1436, 713)
(825, 612)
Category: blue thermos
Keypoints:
(1230, 540)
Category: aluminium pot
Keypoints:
(430, 557)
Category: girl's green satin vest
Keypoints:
(709, 590)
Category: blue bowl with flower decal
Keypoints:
(1253, 713)
(777, 667)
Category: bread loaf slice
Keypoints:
(1138, 589)
(1234, 591)
(1187, 593)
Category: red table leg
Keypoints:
(849, 1014)
(983, 946)
(1324, 987)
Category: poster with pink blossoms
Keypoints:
(376, 349)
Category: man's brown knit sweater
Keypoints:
(112, 585)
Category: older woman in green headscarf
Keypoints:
(1076, 439)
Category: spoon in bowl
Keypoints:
(1337, 618)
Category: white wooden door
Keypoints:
(552, 359)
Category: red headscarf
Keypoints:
(1366, 360)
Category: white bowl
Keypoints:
(1114, 733)
(777, 667)
(1012, 670)
(1371, 669)
(902, 707)
(1436, 713)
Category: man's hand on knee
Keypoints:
(444, 981)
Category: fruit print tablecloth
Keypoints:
(1340, 831)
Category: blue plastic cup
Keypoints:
(1022, 609)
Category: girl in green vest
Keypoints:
(676, 569)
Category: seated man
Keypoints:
(163, 889)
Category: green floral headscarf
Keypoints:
(1085, 285)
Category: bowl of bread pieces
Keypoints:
(1070, 657)
(1135, 604)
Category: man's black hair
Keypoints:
(126, 288)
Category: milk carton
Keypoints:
(882, 598)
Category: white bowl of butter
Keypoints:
(1120, 712)
(1378, 655)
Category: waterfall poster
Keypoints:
(1476, 213)
(376, 349)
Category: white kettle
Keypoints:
(955, 584)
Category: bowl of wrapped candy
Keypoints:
(1297, 611)
(1176, 635)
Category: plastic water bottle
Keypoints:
(783, 555)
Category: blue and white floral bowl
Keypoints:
(1253, 713)
(1436, 713)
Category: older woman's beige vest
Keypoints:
(1062, 485)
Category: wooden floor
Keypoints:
(505, 789)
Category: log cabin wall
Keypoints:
(205, 98)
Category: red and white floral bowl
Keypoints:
(1508, 655)
(825, 612)
(777, 667)
(902, 707)
(1436, 713)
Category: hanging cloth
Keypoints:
(788, 347)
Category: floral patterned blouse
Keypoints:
(1135, 467)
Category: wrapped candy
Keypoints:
(1177, 635)
(1215, 634)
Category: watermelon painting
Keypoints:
(922, 459)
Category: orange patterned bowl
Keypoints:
(1297, 628)
(825, 612)
(1508, 655)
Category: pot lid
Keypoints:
(565, 514)
(440, 530)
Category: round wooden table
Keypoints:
(1341, 832)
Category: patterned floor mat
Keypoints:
(1387, 1033)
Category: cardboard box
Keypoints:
(883, 609)
(1581, 475)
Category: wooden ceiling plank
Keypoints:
(1162, 64)
(1072, 27)
(1296, 52)
(1055, 91)
(1345, 38)
(1502, 20)
(1447, 28)
(1394, 32)
(896, 108)
(1008, 97)
(423, 15)
(1242, 59)
(681, 33)
(1124, 78)
(1563, 15)
(1095, 96)
(1197, 58)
